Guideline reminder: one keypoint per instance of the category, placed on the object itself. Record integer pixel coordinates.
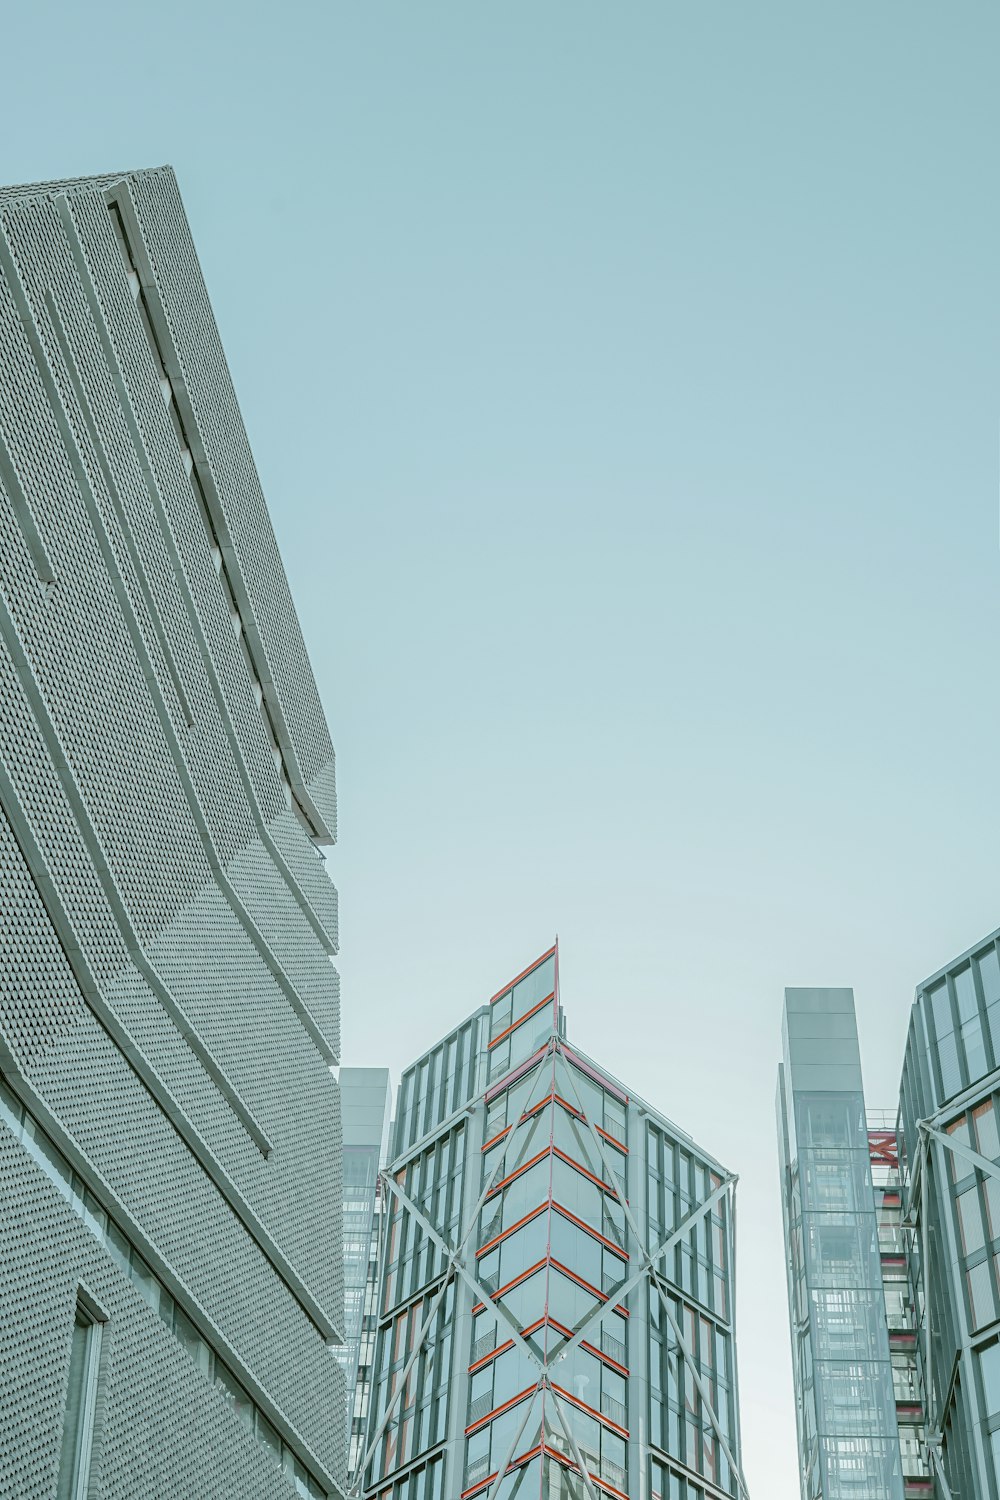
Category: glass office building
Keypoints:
(950, 1150)
(926, 1183)
(845, 1408)
(556, 1315)
(366, 1106)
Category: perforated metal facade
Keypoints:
(169, 1127)
(556, 1313)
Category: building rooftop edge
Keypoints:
(967, 955)
(17, 192)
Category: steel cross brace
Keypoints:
(706, 1399)
(649, 1267)
(932, 1137)
(958, 1148)
(498, 1477)
(457, 1264)
(577, 1455)
(454, 1265)
(649, 1261)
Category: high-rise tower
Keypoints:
(557, 1304)
(169, 1127)
(845, 1403)
(892, 1232)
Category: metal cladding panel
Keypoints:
(163, 1429)
(208, 383)
(166, 925)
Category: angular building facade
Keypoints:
(556, 1315)
(365, 1108)
(949, 1136)
(169, 1126)
(931, 1189)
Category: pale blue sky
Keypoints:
(624, 383)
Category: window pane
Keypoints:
(268, 1436)
(941, 1009)
(965, 995)
(74, 1459)
(981, 1295)
(989, 1369)
(989, 973)
(975, 1049)
(970, 1221)
(986, 1130)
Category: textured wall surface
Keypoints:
(168, 1006)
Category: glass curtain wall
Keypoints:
(555, 1352)
(950, 1135)
(845, 1405)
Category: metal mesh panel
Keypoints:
(166, 924)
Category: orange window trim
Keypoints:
(523, 975)
(520, 1021)
(570, 1108)
(579, 1280)
(525, 1166)
(515, 1463)
(591, 1411)
(521, 1276)
(498, 1411)
(605, 1358)
(493, 1141)
(590, 1348)
(477, 1489)
(506, 1233)
(536, 1107)
(480, 1364)
(589, 1229)
(567, 1463)
(611, 1140)
(515, 1075)
(598, 1181)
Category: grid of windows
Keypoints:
(677, 1181)
(434, 1182)
(419, 1421)
(542, 1180)
(679, 1422)
(439, 1084)
(976, 1200)
(964, 1012)
(423, 1483)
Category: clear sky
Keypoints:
(624, 383)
